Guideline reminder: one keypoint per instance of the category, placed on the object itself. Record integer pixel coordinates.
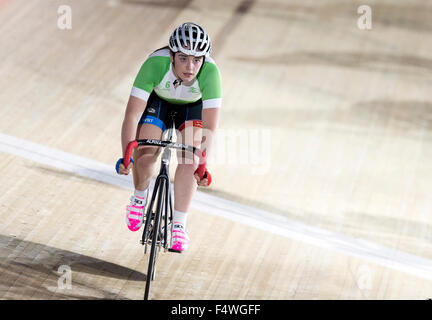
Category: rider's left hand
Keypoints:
(201, 174)
(206, 179)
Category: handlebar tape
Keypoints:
(128, 152)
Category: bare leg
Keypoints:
(185, 183)
(145, 157)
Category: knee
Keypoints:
(187, 168)
(147, 157)
(187, 161)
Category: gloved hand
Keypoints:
(120, 168)
(201, 174)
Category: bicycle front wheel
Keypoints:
(155, 238)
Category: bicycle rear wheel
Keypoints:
(155, 237)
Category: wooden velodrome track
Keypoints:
(334, 137)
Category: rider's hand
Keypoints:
(201, 174)
(206, 179)
(120, 168)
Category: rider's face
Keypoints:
(186, 67)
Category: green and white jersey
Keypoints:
(156, 74)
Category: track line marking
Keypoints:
(260, 219)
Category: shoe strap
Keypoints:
(138, 201)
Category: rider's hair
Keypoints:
(166, 47)
(173, 55)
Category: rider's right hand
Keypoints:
(120, 168)
(123, 170)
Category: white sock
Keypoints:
(141, 194)
(180, 217)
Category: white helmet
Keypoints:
(190, 33)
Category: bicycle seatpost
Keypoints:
(171, 126)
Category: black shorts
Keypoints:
(158, 110)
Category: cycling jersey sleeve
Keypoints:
(148, 77)
(210, 84)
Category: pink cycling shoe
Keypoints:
(180, 238)
(135, 213)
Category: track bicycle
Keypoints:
(158, 218)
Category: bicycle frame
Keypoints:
(161, 187)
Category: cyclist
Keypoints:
(180, 76)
